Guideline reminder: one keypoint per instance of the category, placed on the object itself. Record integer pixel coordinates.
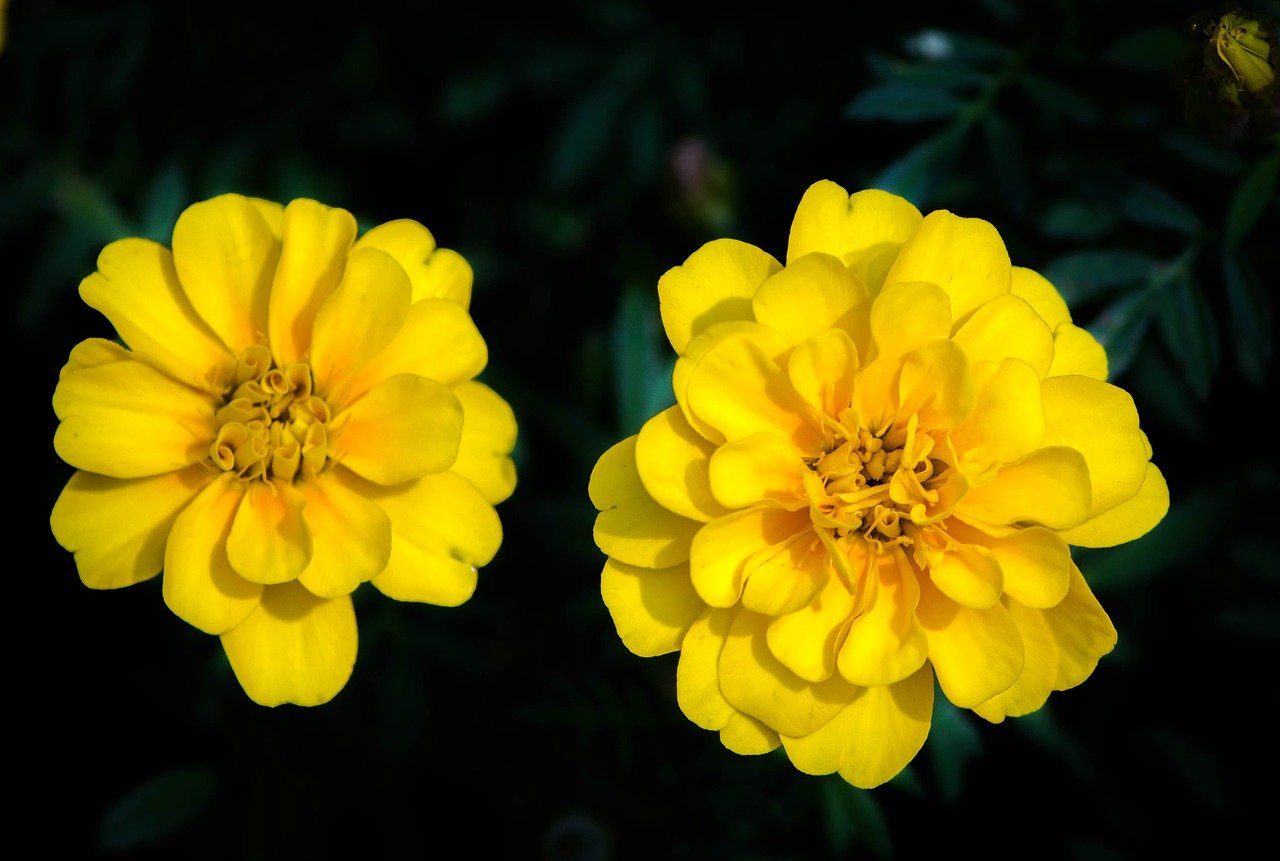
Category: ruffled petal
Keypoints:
(805, 641)
(294, 647)
(721, 549)
(1128, 520)
(1007, 422)
(1039, 668)
(92, 352)
(438, 341)
(357, 321)
(1081, 630)
(969, 574)
(823, 370)
(652, 610)
(316, 241)
(936, 384)
(672, 460)
(865, 229)
(714, 285)
(907, 315)
(1050, 486)
(136, 288)
(128, 420)
(886, 644)
(757, 469)
(405, 428)
(874, 737)
(488, 437)
(117, 528)
(697, 683)
(199, 584)
(964, 256)
(631, 526)
(976, 653)
(350, 537)
(435, 273)
(1035, 561)
(747, 736)
(1041, 295)
(1007, 327)
(781, 580)
(755, 682)
(1076, 351)
(269, 541)
(811, 295)
(225, 255)
(763, 336)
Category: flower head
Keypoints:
(292, 413)
(879, 458)
(1237, 54)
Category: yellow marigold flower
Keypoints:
(879, 458)
(294, 413)
(1240, 43)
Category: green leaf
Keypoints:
(917, 174)
(583, 140)
(1121, 327)
(1085, 275)
(159, 808)
(642, 370)
(1077, 220)
(1250, 310)
(84, 202)
(1007, 161)
(1163, 391)
(904, 103)
(952, 743)
(166, 199)
(1191, 333)
(469, 98)
(1204, 155)
(946, 75)
(1150, 50)
(1255, 191)
(1153, 206)
(853, 816)
(1054, 98)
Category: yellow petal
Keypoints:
(739, 390)
(1007, 327)
(652, 610)
(745, 735)
(137, 289)
(823, 371)
(199, 584)
(760, 468)
(226, 255)
(1007, 422)
(885, 643)
(874, 737)
(358, 321)
(865, 229)
(1081, 630)
(697, 684)
(968, 574)
(1075, 351)
(905, 316)
(964, 256)
(1041, 295)
(316, 241)
(631, 526)
(714, 285)
(435, 273)
(763, 336)
(269, 541)
(1100, 421)
(935, 383)
(405, 428)
(1039, 668)
(755, 682)
(781, 580)
(1035, 561)
(805, 641)
(117, 528)
(672, 459)
(294, 647)
(128, 420)
(1050, 486)
(442, 530)
(488, 437)
(1128, 520)
(976, 653)
(92, 352)
(812, 294)
(438, 341)
(721, 549)
(350, 537)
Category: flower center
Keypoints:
(272, 426)
(877, 485)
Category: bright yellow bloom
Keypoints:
(294, 414)
(879, 457)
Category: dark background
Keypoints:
(572, 152)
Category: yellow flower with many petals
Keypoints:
(879, 458)
(293, 413)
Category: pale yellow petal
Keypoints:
(225, 255)
(760, 468)
(117, 528)
(812, 294)
(488, 437)
(964, 256)
(350, 536)
(976, 653)
(199, 584)
(136, 288)
(316, 241)
(1081, 630)
(805, 641)
(1040, 295)
(1076, 351)
(874, 737)
(720, 549)
(714, 285)
(886, 644)
(631, 526)
(697, 680)
(1007, 327)
(672, 459)
(294, 647)
(435, 273)
(1039, 668)
(865, 229)
(1050, 487)
(405, 428)
(127, 420)
(652, 610)
(438, 341)
(1129, 520)
(755, 682)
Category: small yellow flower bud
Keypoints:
(1240, 51)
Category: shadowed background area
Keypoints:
(572, 153)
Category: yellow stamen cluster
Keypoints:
(272, 427)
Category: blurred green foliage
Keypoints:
(573, 152)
